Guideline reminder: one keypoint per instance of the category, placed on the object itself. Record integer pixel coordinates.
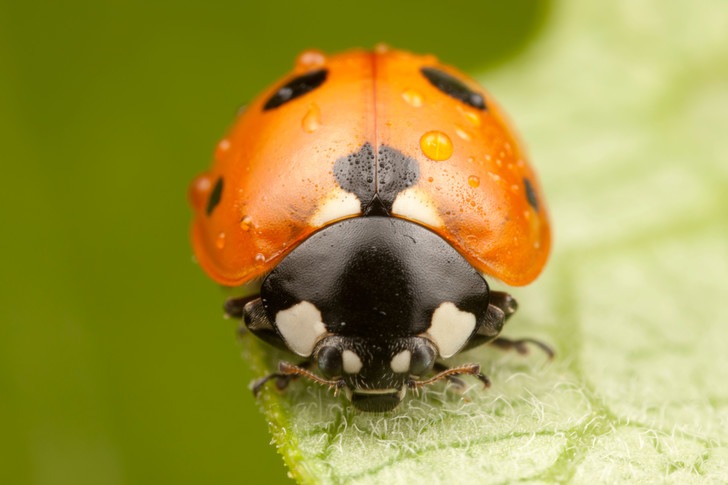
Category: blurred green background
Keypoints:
(115, 364)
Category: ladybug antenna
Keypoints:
(293, 370)
(465, 369)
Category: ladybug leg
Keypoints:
(503, 301)
(256, 320)
(458, 383)
(520, 345)
(501, 307)
(282, 380)
(234, 307)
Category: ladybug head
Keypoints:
(374, 302)
(376, 376)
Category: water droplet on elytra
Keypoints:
(412, 98)
(246, 223)
(312, 119)
(436, 145)
(472, 117)
(222, 147)
(220, 242)
(473, 181)
(459, 131)
(311, 58)
(259, 258)
(199, 191)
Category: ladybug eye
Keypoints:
(329, 361)
(422, 360)
(453, 87)
(296, 87)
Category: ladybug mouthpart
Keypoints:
(377, 400)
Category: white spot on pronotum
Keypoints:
(352, 362)
(401, 362)
(301, 326)
(450, 328)
(417, 206)
(338, 204)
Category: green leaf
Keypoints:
(625, 107)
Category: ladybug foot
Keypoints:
(282, 382)
(520, 345)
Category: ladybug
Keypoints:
(366, 197)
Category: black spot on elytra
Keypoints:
(376, 180)
(530, 194)
(296, 87)
(453, 87)
(214, 196)
(355, 173)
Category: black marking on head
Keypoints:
(296, 87)
(214, 196)
(376, 181)
(530, 194)
(453, 87)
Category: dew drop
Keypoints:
(474, 181)
(222, 147)
(471, 159)
(472, 117)
(311, 58)
(199, 190)
(436, 145)
(412, 98)
(246, 224)
(260, 258)
(220, 242)
(459, 131)
(312, 119)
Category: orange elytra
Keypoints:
(274, 170)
